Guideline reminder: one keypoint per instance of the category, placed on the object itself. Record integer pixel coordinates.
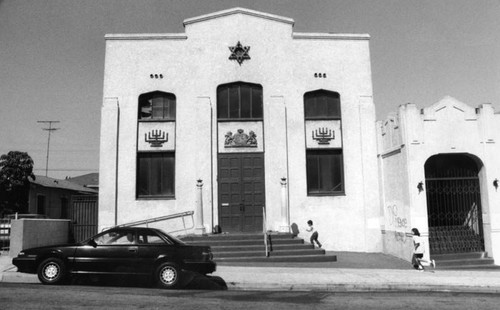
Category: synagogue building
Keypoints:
(256, 127)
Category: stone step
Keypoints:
(464, 262)
(471, 267)
(469, 260)
(283, 258)
(260, 247)
(234, 248)
(245, 242)
(226, 237)
(459, 256)
(454, 247)
(305, 252)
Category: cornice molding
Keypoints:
(146, 36)
(329, 36)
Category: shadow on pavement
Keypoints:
(189, 281)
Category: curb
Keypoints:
(360, 287)
(10, 275)
(16, 277)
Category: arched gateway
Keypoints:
(454, 203)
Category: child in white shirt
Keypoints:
(418, 260)
(314, 235)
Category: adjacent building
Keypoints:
(54, 198)
(439, 170)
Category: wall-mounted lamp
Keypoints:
(420, 187)
(495, 184)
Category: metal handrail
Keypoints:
(159, 219)
(266, 235)
(472, 218)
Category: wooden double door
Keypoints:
(241, 192)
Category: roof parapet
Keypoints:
(146, 36)
(238, 10)
(330, 36)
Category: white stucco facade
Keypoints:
(408, 139)
(286, 65)
(383, 173)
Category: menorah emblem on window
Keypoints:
(323, 135)
(156, 138)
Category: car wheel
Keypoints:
(52, 271)
(167, 275)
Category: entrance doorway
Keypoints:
(241, 192)
(454, 204)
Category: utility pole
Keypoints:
(50, 129)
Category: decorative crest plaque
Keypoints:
(240, 139)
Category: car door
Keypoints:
(114, 252)
(152, 247)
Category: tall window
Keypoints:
(324, 156)
(157, 106)
(324, 172)
(155, 174)
(239, 101)
(156, 164)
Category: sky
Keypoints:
(52, 59)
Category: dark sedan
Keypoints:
(130, 251)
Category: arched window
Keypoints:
(324, 155)
(322, 104)
(239, 101)
(157, 106)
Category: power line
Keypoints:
(68, 169)
(50, 129)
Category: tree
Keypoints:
(15, 169)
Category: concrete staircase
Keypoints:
(458, 247)
(471, 260)
(453, 239)
(230, 248)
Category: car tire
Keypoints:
(52, 271)
(168, 275)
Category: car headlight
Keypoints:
(21, 253)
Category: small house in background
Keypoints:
(90, 180)
(53, 197)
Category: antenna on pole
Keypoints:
(50, 130)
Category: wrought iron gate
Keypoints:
(453, 204)
(84, 216)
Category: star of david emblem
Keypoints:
(239, 53)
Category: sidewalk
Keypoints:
(352, 272)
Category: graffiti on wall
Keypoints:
(395, 220)
(398, 224)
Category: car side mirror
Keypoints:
(92, 243)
